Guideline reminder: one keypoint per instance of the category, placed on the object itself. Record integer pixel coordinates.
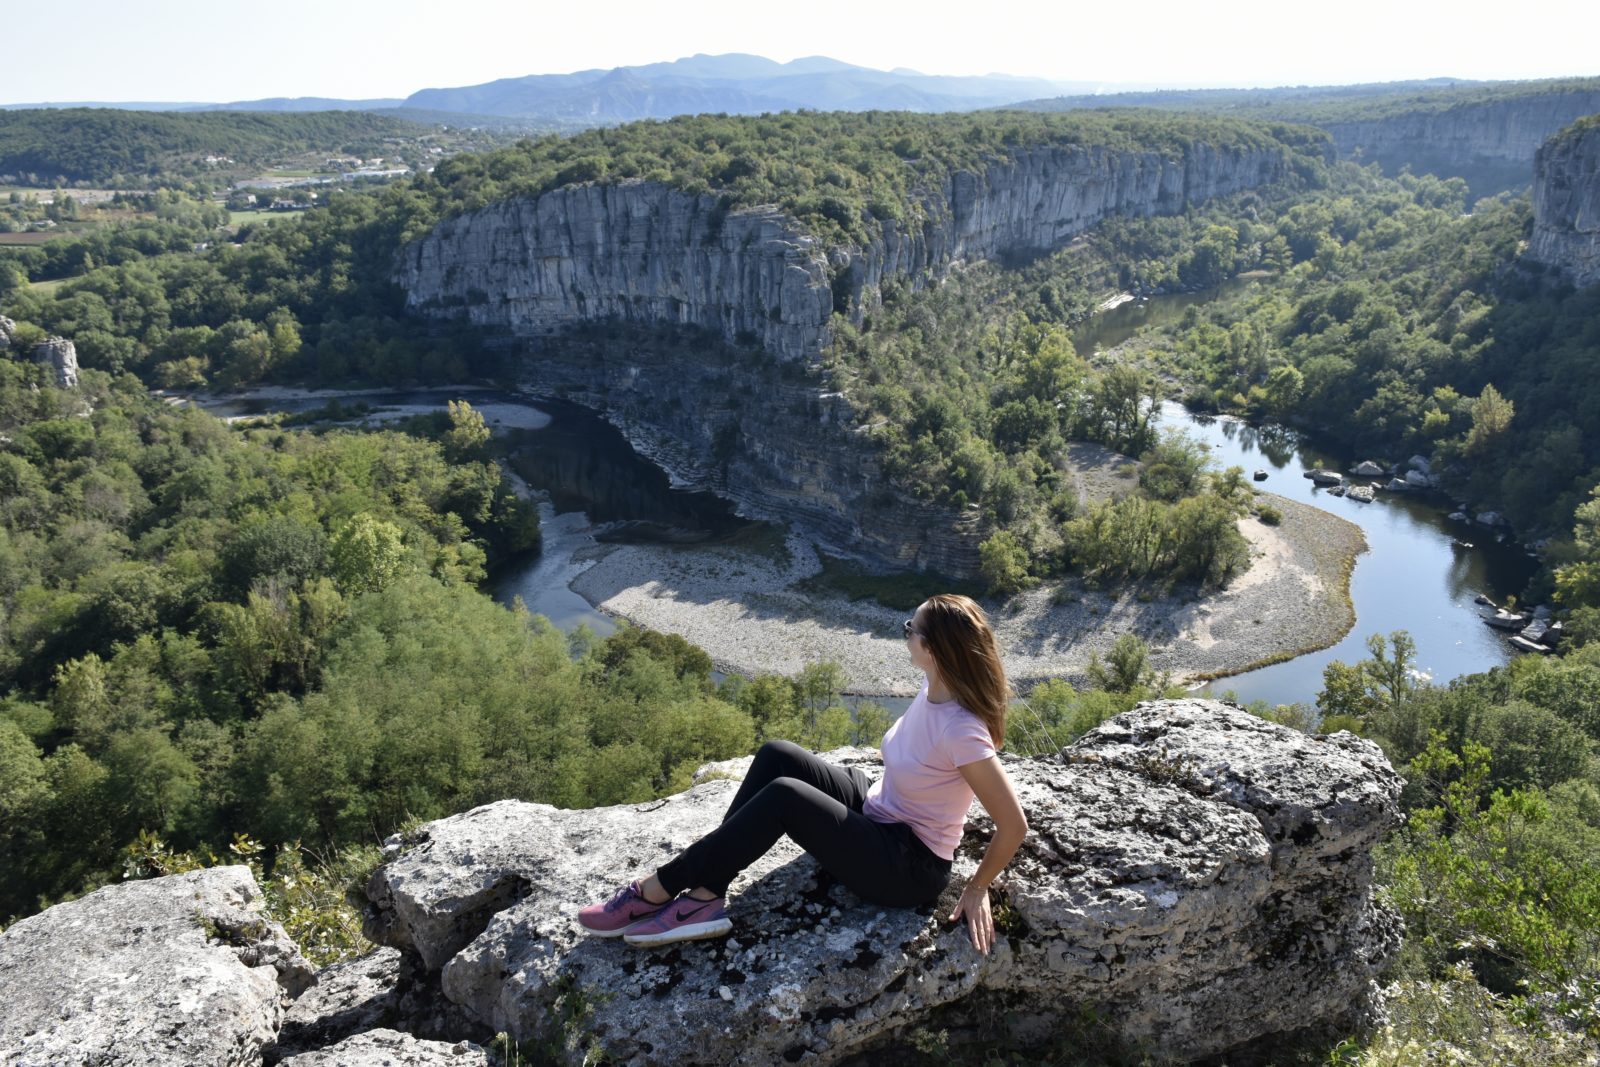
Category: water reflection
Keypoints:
(1421, 573)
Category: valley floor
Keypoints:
(746, 610)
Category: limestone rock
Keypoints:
(1469, 135)
(177, 970)
(390, 1048)
(1198, 876)
(643, 251)
(1421, 463)
(61, 356)
(1369, 469)
(8, 329)
(350, 997)
(1363, 493)
(1566, 205)
(1419, 480)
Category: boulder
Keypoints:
(7, 330)
(1419, 480)
(1397, 485)
(1322, 476)
(177, 970)
(1489, 518)
(382, 989)
(1197, 877)
(390, 1048)
(1363, 493)
(1369, 469)
(61, 356)
(1420, 463)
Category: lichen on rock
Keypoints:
(1198, 877)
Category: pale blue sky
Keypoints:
(209, 51)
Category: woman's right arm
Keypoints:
(993, 790)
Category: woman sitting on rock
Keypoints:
(891, 842)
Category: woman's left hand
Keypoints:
(974, 904)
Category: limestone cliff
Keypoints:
(651, 255)
(1492, 144)
(645, 252)
(1566, 204)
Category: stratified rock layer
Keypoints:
(1492, 140)
(645, 252)
(1566, 205)
(176, 970)
(1197, 876)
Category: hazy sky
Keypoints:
(207, 51)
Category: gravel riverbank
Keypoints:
(746, 611)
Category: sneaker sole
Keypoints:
(618, 932)
(686, 932)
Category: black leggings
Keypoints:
(790, 791)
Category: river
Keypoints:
(1421, 573)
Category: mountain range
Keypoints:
(734, 83)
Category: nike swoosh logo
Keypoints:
(681, 915)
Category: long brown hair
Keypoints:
(963, 648)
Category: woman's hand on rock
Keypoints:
(974, 904)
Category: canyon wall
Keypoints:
(1566, 205)
(641, 254)
(645, 252)
(1490, 144)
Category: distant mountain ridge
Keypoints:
(734, 83)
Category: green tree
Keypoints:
(468, 433)
(367, 553)
(1003, 562)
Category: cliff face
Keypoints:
(734, 424)
(1566, 206)
(647, 253)
(1491, 144)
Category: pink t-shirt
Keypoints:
(921, 786)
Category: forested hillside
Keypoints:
(106, 146)
(1390, 319)
(1319, 104)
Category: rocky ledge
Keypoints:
(176, 970)
(1566, 204)
(1199, 878)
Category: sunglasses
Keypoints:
(909, 630)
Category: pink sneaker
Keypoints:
(685, 919)
(626, 907)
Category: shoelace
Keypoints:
(626, 893)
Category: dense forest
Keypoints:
(1319, 104)
(252, 639)
(277, 633)
(110, 146)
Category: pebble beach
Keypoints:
(747, 610)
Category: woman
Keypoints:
(891, 842)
